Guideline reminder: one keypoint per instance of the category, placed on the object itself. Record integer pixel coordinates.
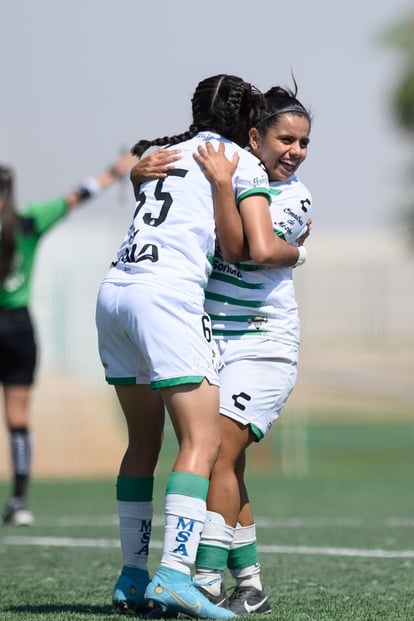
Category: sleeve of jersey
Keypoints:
(251, 178)
(47, 214)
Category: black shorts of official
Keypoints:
(18, 350)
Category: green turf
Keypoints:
(320, 491)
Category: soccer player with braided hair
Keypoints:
(156, 346)
(258, 351)
(20, 233)
(256, 327)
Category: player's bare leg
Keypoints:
(144, 413)
(194, 414)
(249, 595)
(224, 503)
(229, 536)
(193, 410)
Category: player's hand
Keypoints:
(155, 165)
(124, 164)
(300, 240)
(217, 167)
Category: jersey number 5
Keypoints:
(165, 197)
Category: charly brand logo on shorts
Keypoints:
(236, 400)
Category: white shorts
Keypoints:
(152, 336)
(256, 380)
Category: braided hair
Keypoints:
(222, 103)
(279, 101)
(9, 223)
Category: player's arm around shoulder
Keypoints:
(219, 170)
(265, 247)
(155, 165)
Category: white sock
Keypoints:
(184, 521)
(135, 529)
(249, 574)
(212, 554)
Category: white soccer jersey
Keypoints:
(171, 240)
(246, 299)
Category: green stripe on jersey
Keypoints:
(187, 484)
(239, 318)
(274, 191)
(227, 300)
(239, 332)
(248, 267)
(253, 192)
(235, 281)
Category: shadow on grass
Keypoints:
(54, 608)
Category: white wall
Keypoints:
(351, 292)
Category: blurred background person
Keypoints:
(20, 233)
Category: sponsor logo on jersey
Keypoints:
(226, 268)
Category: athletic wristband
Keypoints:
(303, 255)
(88, 189)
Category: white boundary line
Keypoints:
(261, 522)
(71, 542)
(376, 553)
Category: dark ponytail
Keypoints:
(279, 101)
(223, 103)
(9, 223)
(140, 147)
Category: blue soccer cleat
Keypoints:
(128, 596)
(174, 592)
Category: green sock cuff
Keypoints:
(132, 489)
(243, 557)
(211, 557)
(188, 484)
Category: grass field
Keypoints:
(335, 514)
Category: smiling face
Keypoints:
(283, 147)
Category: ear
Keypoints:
(254, 138)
